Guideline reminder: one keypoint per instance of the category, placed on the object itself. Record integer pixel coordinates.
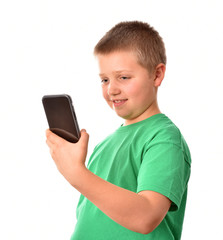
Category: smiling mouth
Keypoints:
(120, 102)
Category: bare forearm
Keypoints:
(125, 207)
(138, 212)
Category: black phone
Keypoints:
(61, 116)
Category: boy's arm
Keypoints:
(141, 212)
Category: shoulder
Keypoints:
(157, 128)
(162, 133)
(168, 133)
(165, 131)
(168, 136)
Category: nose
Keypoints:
(113, 88)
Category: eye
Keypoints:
(104, 81)
(124, 77)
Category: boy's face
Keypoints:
(128, 87)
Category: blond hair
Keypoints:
(135, 36)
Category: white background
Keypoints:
(46, 48)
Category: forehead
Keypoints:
(117, 61)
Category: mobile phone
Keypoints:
(61, 116)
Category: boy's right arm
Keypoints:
(141, 212)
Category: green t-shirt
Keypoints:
(147, 155)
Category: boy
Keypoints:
(135, 186)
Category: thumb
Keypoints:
(84, 138)
(83, 142)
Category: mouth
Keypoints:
(118, 102)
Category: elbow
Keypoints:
(146, 227)
(145, 230)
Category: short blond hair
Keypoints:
(135, 36)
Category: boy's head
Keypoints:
(137, 37)
(131, 58)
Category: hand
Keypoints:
(69, 157)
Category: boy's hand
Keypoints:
(125, 207)
(69, 157)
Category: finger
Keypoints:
(84, 143)
(53, 138)
(84, 137)
(49, 144)
(48, 134)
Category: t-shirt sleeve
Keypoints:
(165, 170)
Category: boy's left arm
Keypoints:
(140, 212)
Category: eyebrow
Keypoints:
(117, 72)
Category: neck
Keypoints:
(150, 111)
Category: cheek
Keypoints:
(105, 93)
(140, 93)
(134, 90)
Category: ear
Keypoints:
(159, 74)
